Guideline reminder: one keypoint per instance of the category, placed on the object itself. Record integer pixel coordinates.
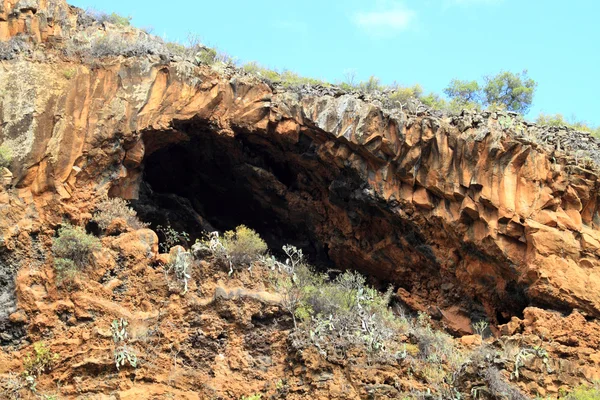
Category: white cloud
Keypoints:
(390, 18)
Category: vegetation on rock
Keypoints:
(73, 249)
(5, 156)
(116, 208)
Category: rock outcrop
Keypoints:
(437, 207)
(467, 216)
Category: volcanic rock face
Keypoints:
(464, 215)
(42, 20)
(468, 217)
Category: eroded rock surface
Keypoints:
(444, 207)
(467, 216)
(408, 199)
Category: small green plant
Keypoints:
(116, 208)
(403, 94)
(69, 73)
(171, 237)
(122, 354)
(40, 361)
(256, 396)
(119, 20)
(286, 77)
(5, 156)
(72, 250)
(506, 122)
(206, 55)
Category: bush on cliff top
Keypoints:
(112, 18)
(573, 123)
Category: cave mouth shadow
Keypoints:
(197, 179)
(216, 182)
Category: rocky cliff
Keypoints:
(472, 216)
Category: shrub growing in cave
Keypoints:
(116, 208)
(72, 250)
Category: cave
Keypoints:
(214, 182)
(197, 178)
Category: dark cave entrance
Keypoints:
(212, 182)
(197, 179)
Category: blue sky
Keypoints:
(428, 42)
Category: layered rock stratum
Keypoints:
(470, 216)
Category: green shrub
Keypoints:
(207, 56)
(257, 396)
(290, 78)
(72, 250)
(69, 73)
(171, 237)
(255, 69)
(112, 18)
(40, 361)
(243, 245)
(342, 314)
(585, 393)
(119, 20)
(66, 270)
(116, 208)
(435, 346)
(573, 123)
(5, 156)
(403, 94)
(373, 84)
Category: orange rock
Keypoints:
(140, 245)
(471, 341)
